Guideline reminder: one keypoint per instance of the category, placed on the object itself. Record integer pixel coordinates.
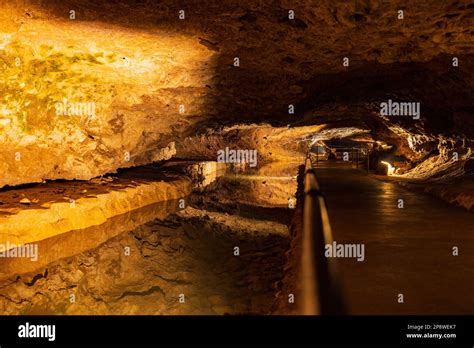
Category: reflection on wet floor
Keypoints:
(224, 252)
(408, 250)
(75, 242)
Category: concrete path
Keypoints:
(408, 251)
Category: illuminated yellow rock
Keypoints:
(80, 99)
(21, 226)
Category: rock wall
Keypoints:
(90, 87)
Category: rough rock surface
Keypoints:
(189, 253)
(271, 143)
(156, 79)
(105, 281)
(61, 207)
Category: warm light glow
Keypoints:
(390, 168)
(79, 99)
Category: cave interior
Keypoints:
(114, 115)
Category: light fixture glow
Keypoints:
(390, 168)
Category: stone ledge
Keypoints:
(26, 223)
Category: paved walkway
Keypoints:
(407, 251)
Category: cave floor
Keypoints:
(166, 259)
(408, 251)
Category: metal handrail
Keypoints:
(320, 283)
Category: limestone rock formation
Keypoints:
(90, 87)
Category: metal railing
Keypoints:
(356, 155)
(321, 291)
